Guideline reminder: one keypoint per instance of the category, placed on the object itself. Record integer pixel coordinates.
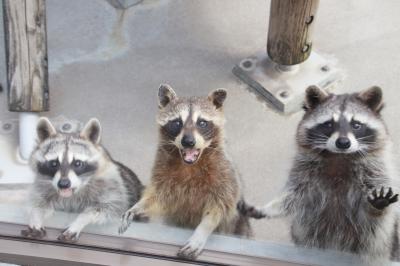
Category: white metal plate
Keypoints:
(285, 90)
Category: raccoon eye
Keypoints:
(202, 123)
(328, 124)
(175, 126)
(356, 125)
(54, 163)
(177, 123)
(78, 163)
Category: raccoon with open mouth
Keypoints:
(193, 183)
(339, 193)
(75, 173)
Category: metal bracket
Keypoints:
(284, 86)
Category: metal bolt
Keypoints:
(325, 68)
(247, 64)
(7, 126)
(66, 127)
(284, 94)
(305, 48)
(309, 20)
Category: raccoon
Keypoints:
(75, 173)
(339, 193)
(193, 184)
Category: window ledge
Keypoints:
(146, 242)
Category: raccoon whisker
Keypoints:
(365, 137)
(317, 142)
(319, 135)
(213, 149)
(316, 137)
(362, 153)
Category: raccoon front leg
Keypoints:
(71, 234)
(141, 211)
(35, 228)
(382, 199)
(138, 212)
(197, 241)
(273, 209)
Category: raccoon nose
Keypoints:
(188, 141)
(343, 143)
(64, 183)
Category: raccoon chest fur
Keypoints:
(185, 193)
(329, 207)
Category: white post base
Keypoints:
(284, 86)
(27, 134)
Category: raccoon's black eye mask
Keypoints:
(173, 127)
(50, 168)
(324, 129)
(82, 168)
(362, 132)
(205, 128)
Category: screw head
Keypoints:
(325, 68)
(247, 64)
(66, 127)
(306, 47)
(7, 126)
(284, 94)
(309, 20)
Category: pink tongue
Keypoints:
(191, 155)
(67, 192)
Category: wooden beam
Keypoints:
(290, 30)
(26, 55)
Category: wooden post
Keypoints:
(290, 30)
(26, 55)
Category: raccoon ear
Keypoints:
(314, 97)
(45, 129)
(165, 95)
(372, 98)
(217, 97)
(92, 131)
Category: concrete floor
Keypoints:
(108, 63)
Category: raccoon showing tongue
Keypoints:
(190, 155)
(65, 192)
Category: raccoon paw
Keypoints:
(381, 200)
(133, 214)
(34, 233)
(192, 249)
(68, 236)
(250, 211)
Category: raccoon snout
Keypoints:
(64, 183)
(343, 143)
(188, 141)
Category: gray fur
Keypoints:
(333, 194)
(327, 192)
(103, 193)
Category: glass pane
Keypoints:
(193, 164)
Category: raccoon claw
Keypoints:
(191, 250)
(133, 214)
(124, 226)
(68, 236)
(34, 233)
(381, 200)
(250, 211)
